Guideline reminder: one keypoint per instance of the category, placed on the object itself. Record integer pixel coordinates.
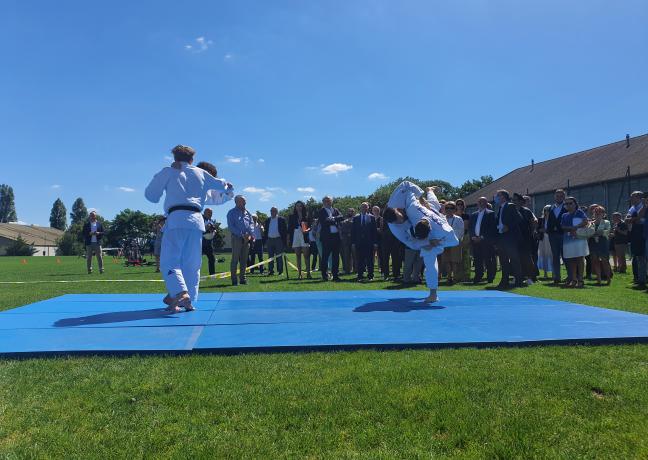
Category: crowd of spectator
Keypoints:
(505, 234)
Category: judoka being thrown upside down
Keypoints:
(188, 188)
(417, 222)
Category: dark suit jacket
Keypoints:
(512, 219)
(283, 229)
(326, 222)
(488, 228)
(364, 235)
(87, 237)
(553, 222)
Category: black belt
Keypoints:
(183, 208)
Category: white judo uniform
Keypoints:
(406, 196)
(181, 255)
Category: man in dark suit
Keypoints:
(483, 230)
(555, 232)
(275, 237)
(329, 219)
(364, 237)
(508, 240)
(92, 232)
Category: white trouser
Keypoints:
(180, 261)
(431, 266)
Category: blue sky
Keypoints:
(94, 94)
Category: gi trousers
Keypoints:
(180, 261)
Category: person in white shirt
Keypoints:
(186, 189)
(428, 228)
(256, 246)
(452, 255)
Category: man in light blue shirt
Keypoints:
(241, 226)
(186, 189)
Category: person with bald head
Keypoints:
(241, 226)
(482, 229)
(364, 238)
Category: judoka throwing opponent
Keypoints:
(187, 189)
(417, 222)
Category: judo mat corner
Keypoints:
(306, 321)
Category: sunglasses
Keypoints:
(569, 203)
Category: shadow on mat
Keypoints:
(397, 306)
(114, 317)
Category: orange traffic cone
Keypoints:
(24, 262)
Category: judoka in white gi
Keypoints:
(417, 223)
(187, 188)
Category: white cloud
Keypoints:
(313, 168)
(377, 176)
(236, 160)
(55, 186)
(336, 168)
(228, 57)
(260, 160)
(199, 45)
(265, 194)
(305, 189)
(126, 189)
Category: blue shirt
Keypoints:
(567, 220)
(239, 222)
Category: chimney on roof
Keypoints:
(532, 164)
(627, 140)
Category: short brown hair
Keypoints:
(422, 229)
(504, 193)
(210, 168)
(183, 153)
(389, 214)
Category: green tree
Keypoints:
(58, 216)
(79, 211)
(219, 237)
(68, 244)
(7, 205)
(131, 225)
(262, 216)
(471, 186)
(20, 247)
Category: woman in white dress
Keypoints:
(545, 258)
(299, 227)
(574, 248)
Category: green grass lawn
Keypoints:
(560, 401)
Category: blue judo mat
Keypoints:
(286, 321)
